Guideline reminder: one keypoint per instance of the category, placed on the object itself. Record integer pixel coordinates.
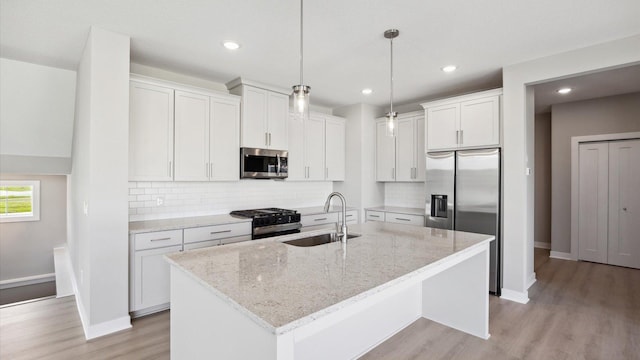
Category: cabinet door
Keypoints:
(480, 122)
(335, 148)
(224, 134)
(419, 172)
(372, 215)
(442, 127)
(150, 132)
(278, 105)
(405, 150)
(152, 277)
(314, 148)
(295, 161)
(254, 118)
(624, 203)
(191, 137)
(385, 153)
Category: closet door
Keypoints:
(593, 202)
(624, 203)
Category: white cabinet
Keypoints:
(327, 220)
(206, 132)
(395, 217)
(214, 235)
(149, 285)
(464, 122)
(264, 115)
(150, 132)
(317, 148)
(401, 158)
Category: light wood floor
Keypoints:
(578, 310)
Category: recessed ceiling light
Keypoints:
(367, 91)
(231, 45)
(564, 91)
(449, 68)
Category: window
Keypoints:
(19, 200)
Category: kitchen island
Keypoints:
(269, 300)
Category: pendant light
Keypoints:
(392, 116)
(300, 95)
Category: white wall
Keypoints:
(26, 248)
(98, 186)
(36, 118)
(518, 146)
(542, 216)
(610, 115)
(360, 187)
(182, 199)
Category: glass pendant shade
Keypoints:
(392, 123)
(300, 102)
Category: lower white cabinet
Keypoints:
(394, 217)
(149, 281)
(327, 220)
(149, 285)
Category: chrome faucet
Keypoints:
(343, 233)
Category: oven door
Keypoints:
(275, 230)
(263, 163)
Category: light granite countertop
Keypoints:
(282, 287)
(398, 209)
(136, 227)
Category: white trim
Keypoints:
(575, 171)
(531, 280)
(107, 327)
(184, 87)
(561, 255)
(542, 245)
(27, 280)
(516, 296)
(465, 97)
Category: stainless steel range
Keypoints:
(271, 221)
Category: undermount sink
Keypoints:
(318, 239)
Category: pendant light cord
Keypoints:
(391, 85)
(301, 37)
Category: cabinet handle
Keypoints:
(461, 136)
(210, 170)
(349, 215)
(206, 169)
(220, 232)
(375, 216)
(170, 169)
(457, 136)
(162, 239)
(269, 139)
(403, 219)
(393, 173)
(320, 219)
(266, 139)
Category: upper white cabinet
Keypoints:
(150, 132)
(264, 115)
(464, 121)
(401, 158)
(317, 148)
(182, 133)
(206, 131)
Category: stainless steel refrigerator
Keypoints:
(463, 193)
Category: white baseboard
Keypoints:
(542, 245)
(107, 327)
(27, 280)
(532, 280)
(561, 255)
(516, 296)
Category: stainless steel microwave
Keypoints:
(263, 163)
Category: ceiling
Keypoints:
(345, 50)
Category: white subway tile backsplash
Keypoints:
(209, 198)
(404, 194)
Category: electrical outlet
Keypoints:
(159, 201)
